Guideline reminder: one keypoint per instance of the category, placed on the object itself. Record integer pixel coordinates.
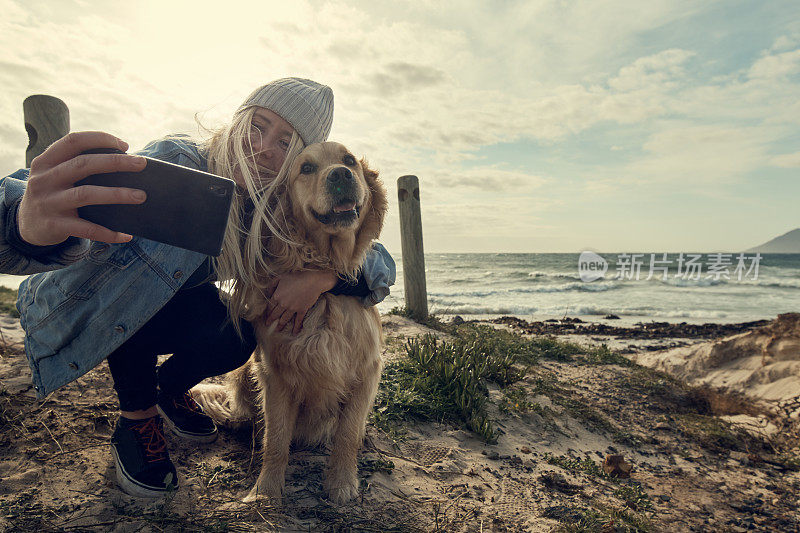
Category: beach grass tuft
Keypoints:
(8, 302)
(572, 464)
(604, 518)
(441, 380)
(603, 355)
(715, 434)
(556, 350)
(447, 380)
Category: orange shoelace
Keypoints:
(189, 403)
(155, 443)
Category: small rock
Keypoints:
(457, 320)
(525, 449)
(494, 456)
(663, 426)
(664, 497)
(554, 480)
(611, 317)
(616, 466)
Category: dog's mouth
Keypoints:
(344, 213)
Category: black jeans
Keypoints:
(194, 327)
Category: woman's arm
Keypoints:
(295, 293)
(43, 204)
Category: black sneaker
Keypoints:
(184, 417)
(142, 460)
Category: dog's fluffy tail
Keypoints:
(232, 404)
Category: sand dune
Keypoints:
(763, 363)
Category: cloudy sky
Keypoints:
(534, 126)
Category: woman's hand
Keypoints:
(48, 213)
(294, 294)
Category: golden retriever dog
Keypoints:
(318, 386)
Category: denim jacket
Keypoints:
(87, 298)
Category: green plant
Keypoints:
(455, 374)
(602, 355)
(8, 302)
(370, 466)
(634, 496)
(515, 400)
(551, 348)
(606, 519)
(587, 466)
(713, 433)
(446, 380)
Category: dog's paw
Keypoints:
(267, 491)
(216, 402)
(213, 399)
(341, 489)
(256, 497)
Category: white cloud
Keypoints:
(421, 89)
(697, 155)
(776, 65)
(662, 70)
(786, 160)
(487, 179)
(785, 42)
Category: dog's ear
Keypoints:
(376, 210)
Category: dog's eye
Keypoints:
(308, 168)
(349, 160)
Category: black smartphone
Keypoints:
(186, 208)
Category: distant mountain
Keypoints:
(788, 243)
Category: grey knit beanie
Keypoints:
(305, 104)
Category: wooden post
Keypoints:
(46, 121)
(413, 255)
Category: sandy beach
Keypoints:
(683, 445)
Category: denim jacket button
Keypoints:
(73, 366)
(178, 274)
(119, 329)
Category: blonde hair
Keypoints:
(242, 265)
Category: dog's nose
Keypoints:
(340, 176)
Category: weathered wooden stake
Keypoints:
(46, 121)
(413, 254)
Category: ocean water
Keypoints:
(540, 286)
